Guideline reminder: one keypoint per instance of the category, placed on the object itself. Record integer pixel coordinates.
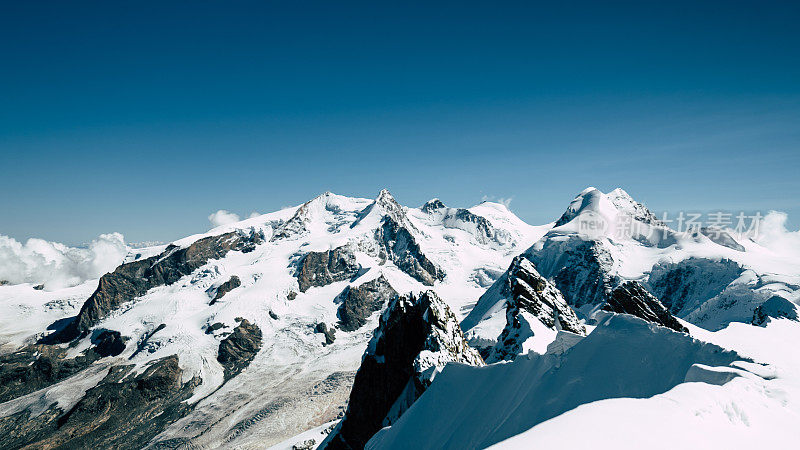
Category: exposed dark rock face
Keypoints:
(122, 411)
(432, 205)
(323, 268)
(631, 298)
(329, 333)
(39, 287)
(398, 245)
(721, 237)
(777, 308)
(416, 338)
(134, 279)
(687, 284)
(580, 270)
(37, 366)
(530, 297)
(226, 287)
(109, 343)
(358, 303)
(214, 327)
(238, 349)
(273, 315)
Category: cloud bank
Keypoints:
(773, 234)
(56, 265)
(222, 217)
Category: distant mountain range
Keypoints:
(350, 323)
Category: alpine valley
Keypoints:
(349, 323)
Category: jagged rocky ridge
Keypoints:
(416, 338)
(529, 296)
(358, 303)
(631, 298)
(399, 246)
(134, 279)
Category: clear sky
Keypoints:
(144, 117)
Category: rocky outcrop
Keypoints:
(631, 298)
(721, 237)
(580, 269)
(329, 333)
(529, 296)
(358, 303)
(776, 307)
(432, 206)
(37, 366)
(416, 338)
(466, 220)
(134, 279)
(238, 349)
(122, 411)
(398, 245)
(324, 268)
(684, 286)
(226, 287)
(109, 343)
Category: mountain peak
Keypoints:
(590, 200)
(432, 205)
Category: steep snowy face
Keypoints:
(416, 338)
(284, 301)
(625, 203)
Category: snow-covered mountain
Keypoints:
(252, 334)
(310, 281)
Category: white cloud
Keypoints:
(222, 217)
(55, 265)
(254, 214)
(773, 234)
(503, 201)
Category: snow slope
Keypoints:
(629, 384)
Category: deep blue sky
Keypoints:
(145, 117)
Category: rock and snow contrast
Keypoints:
(351, 323)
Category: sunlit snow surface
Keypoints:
(628, 384)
